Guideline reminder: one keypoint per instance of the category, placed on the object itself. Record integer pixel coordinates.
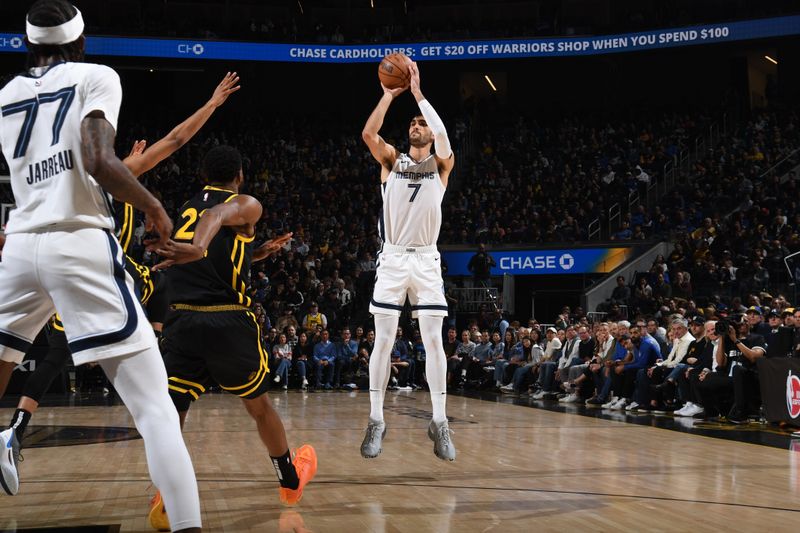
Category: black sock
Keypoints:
(20, 421)
(284, 468)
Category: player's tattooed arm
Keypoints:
(101, 162)
(140, 160)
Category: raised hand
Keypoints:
(414, 83)
(394, 93)
(138, 148)
(271, 246)
(228, 86)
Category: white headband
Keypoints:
(61, 34)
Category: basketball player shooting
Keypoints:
(412, 186)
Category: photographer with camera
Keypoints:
(736, 374)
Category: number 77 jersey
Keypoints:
(41, 112)
(412, 203)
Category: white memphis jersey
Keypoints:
(412, 203)
(40, 134)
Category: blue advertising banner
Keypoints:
(537, 262)
(547, 47)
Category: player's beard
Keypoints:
(420, 141)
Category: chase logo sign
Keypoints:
(13, 43)
(192, 49)
(535, 262)
(793, 395)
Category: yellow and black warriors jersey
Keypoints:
(222, 277)
(142, 279)
(125, 223)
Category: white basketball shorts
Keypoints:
(79, 273)
(413, 272)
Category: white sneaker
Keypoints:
(683, 410)
(632, 407)
(610, 403)
(539, 395)
(572, 398)
(305, 384)
(695, 410)
(620, 404)
(9, 474)
(277, 379)
(510, 386)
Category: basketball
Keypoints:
(393, 71)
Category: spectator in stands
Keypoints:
(314, 319)
(702, 351)
(303, 357)
(461, 360)
(282, 353)
(526, 370)
(481, 265)
(325, 360)
(736, 355)
(621, 293)
(683, 285)
(365, 352)
(500, 323)
(502, 361)
(550, 366)
(658, 372)
(346, 361)
(756, 320)
(787, 315)
(577, 366)
(287, 319)
(643, 351)
(661, 290)
(654, 331)
(644, 296)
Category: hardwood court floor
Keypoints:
(518, 469)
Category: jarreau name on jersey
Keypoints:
(52, 166)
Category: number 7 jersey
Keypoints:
(412, 203)
(41, 112)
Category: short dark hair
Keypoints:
(46, 14)
(222, 164)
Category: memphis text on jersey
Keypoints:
(52, 166)
(415, 175)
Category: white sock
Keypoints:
(380, 363)
(430, 327)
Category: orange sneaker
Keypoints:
(158, 515)
(305, 462)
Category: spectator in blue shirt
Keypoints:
(346, 360)
(325, 359)
(645, 352)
